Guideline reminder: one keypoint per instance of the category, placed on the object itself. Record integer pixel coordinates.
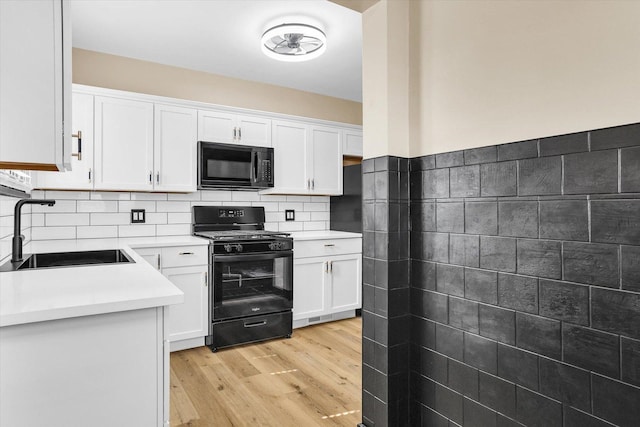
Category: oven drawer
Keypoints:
(251, 329)
(184, 256)
(315, 248)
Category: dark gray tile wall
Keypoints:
(525, 284)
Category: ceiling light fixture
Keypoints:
(294, 42)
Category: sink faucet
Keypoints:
(18, 239)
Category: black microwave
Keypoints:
(239, 167)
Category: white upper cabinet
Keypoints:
(352, 142)
(80, 177)
(308, 159)
(218, 126)
(123, 144)
(175, 145)
(35, 83)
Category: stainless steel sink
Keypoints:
(68, 259)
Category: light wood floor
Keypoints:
(312, 379)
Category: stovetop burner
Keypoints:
(240, 234)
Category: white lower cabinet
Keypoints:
(187, 268)
(327, 280)
(101, 370)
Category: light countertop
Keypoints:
(56, 293)
(323, 234)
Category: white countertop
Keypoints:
(57, 293)
(323, 234)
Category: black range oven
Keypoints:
(251, 270)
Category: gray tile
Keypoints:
(381, 217)
(592, 350)
(498, 253)
(518, 219)
(518, 292)
(518, 366)
(631, 268)
(498, 324)
(616, 311)
(630, 170)
(433, 365)
(435, 184)
(480, 155)
(476, 415)
(481, 218)
(615, 402)
(450, 279)
(564, 144)
(498, 179)
(381, 163)
(630, 350)
(539, 335)
(497, 394)
(368, 216)
(465, 181)
(368, 186)
(423, 216)
(539, 177)
(450, 159)
(539, 258)
(564, 220)
(464, 250)
(463, 314)
(518, 150)
(564, 301)
(381, 185)
(565, 383)
(435, 247)
(615, 221)
(481, 285)
(481, 353)
(434, 306)
(449, 341)
(615, 137)
(591, 263)
(463, 379)
(535, 410)
(575, 418)
(368, 165)
(589, 173)
(423, 274)
(450, 217)
(449, 403)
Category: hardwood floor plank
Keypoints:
(312, 379)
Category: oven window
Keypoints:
(252, 286)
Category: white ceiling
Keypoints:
(223, 37)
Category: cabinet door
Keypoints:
(326, 158)
(346, 282)
(35, 45)
(310, 288)
(175, 145)
(151, 255)
(352, 143)
(290, 148)
(123, 144)
(189, 319)
(254, 131)
(216, 126)
(80, 177)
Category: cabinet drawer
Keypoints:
(315, 248)
(183, 256)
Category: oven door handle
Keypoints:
(252, 257)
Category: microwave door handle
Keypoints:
(255, 167)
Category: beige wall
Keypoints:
(117, 72)
(489, 72)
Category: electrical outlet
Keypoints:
(137, 216)
(289, 215)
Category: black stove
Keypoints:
(251, 270)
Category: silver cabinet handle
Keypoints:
(158, 261)
(235, 133)
(325, 266)
(239, 133)
(89, 174)
(330, 266)
(329, 245)
(79, 153)
(206, 279)
(308, 184)
(151, 177)
(313, 184)
(157, 177)
(186, 253)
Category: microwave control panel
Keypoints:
(266, 171)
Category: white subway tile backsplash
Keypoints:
(54, 220)
(301, 199)
(186, 197)
(273, 217)
(156, 218)
(273, 198)
(179, 218)
(173, 206)
(215, 196)
(316, 207)
(126, 206)
(97, 232)
(315, 225)
(245, 196)
(271, 226)
(173, 229)
(51, 233)
(301, 216)
(136, 230)
(67, 195)
(320, 216)
(268, 206)
(97, 206)
(290, 226)
(110, 218)
(288, 205)
(37, 220)
(61, 206)
(110, 195)
(149, 196)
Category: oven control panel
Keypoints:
(230, 213)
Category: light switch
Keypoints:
(137, 216)
(289, 215)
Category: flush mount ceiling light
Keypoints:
(294, 42)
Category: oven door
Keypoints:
(251, 284)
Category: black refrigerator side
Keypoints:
(346, 210)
